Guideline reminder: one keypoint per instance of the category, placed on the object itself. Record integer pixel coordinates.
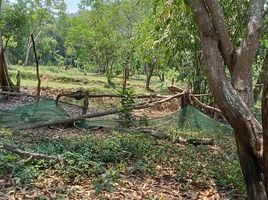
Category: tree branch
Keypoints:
(202, 105)
(249, 45)
(225, 44)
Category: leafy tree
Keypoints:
(44, 16)
(102, 36)
(13, 21)
(235, 97)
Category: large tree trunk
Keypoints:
(235, 99)
(265, 126)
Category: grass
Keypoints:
(73, 78)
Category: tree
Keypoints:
(102, 35)
(44, 25)
(13, 20)
(235, 97)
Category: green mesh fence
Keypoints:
(41, 111)
(189, 118)
(186, 119)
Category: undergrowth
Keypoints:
(104, 159)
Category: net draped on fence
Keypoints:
(187, 119)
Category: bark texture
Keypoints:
(5, 81)
(235, 98)
(265, 127)
(150, 67)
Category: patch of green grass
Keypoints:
(56, 77)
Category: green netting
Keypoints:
(41, 111)
(188, 118)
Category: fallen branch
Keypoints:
(164, 136)
(213, 109)
(180, 140)
(94, 115)
(30, 155)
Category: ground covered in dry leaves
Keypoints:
(105, 163)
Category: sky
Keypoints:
(72, 5)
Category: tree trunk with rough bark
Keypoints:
(235, 98)
(5, 81)
(265, 124)
(149, 73)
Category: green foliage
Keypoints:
(82, 153)
(127, 102)
(103, 159)
(103, 181)
(13, 21)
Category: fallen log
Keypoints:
(94, 115)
